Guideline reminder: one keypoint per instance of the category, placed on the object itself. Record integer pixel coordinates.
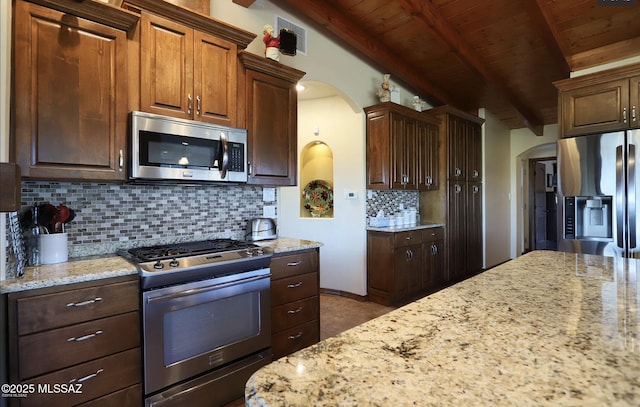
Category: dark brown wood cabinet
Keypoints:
(461, 139)
(270, 112)
(402, 148)
(187, 73)
(295, 301)
(70, 92)
(599, 102)
(403, 264)
(86, 333)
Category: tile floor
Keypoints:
(338, 314)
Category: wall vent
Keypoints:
(301, 33)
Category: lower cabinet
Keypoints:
(295, 301)
(402, 265)
(83, 336)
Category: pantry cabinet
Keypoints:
(187, 73)
(402, 148)
(269, 111)
(599, 102)
(461, 138)
(70, 91)
(85, 333)
(295, 301)
(405, 264)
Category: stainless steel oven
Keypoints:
(206, 321)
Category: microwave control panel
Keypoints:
(236, 157)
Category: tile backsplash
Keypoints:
(114, 216)
(389, 201)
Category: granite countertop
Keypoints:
(405, 228)
(110, 265)
(545, 329)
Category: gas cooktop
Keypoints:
(176, 263)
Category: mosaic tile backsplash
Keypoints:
(390, 201)
(114, 216)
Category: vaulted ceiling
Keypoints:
(502, 55)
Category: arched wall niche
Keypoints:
(316, 181)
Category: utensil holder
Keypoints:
(53, 248)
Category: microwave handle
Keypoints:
(225, 156)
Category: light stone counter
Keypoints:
(99, 267)
(405, 228)
(74, 271)
(546, 329)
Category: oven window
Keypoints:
(207, 326)
(166, 150)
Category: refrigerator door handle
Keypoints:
(620, 197)
(632, 196)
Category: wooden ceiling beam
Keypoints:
(325, 15)
(433, 22)
(244, 3)
(550, 34)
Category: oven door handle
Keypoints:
(200, 290)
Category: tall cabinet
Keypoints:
(459, 205)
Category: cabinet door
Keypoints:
(457, 147)
(166, 67)
(596, 108)
(70, 96)
(432, 264)
(474, 229)
(407, 262)
(378, 151)
(272, 129)
(474, 152)
(215, 80)
(457, 231)
(402, 152)
(634, 101)
(427, 156)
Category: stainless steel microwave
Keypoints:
(170, 149)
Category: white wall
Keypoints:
(343, 256)
(496, 191)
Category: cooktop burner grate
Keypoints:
(177, 250)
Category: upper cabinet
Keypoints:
(402, 148)
(599, 102)
(270, 114)
(70, 91)
(187, 73)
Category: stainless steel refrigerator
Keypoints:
(598, 194)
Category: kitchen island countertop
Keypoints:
(545, 329)
(106, 266)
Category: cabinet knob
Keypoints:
(198, 105)
(624, 115)
(457, 172)
(189, 104)
(633, 113)
(475, 174)
(121, 161)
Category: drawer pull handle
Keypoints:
(84, 379)
(83, 303)
(85, 337)
(294, 311)
(294, 263)
(296, 285)
(296, 336)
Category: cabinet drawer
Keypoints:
(129, 397)
(98, 377)
(432, 234)
(50, 311)
(294, 313)
(296, 338)
(56, 349)
(408, 238)
(293, 264)
(294, 288)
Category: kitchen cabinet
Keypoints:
(85, 333)
(270, 112)
(70, 91)
(402, 148)
(599, 102)
(187, 73)
(403, 264)
(461, 165)
(295, 301)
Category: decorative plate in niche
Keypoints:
(318, 197)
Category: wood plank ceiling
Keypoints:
(502, 55)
